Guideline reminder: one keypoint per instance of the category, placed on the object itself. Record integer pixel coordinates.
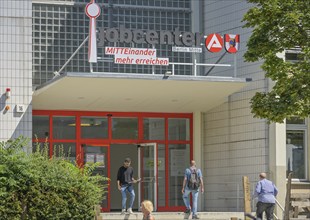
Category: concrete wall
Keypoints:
(15, 68)
(235, 144)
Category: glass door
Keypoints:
(148, 173)
(98, 154)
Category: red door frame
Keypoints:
(107, 142)
(103, 209)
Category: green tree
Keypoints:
(34, 186)
(279, 25)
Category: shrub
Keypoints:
(34, 186)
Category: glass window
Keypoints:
(153, 128)
(97, 154)
(178, 129)
(295, 120)
(178, 161)
(124, 128)
(296, 148)
(64, 127)
(294, 56)
(61, 21)
(295, 153)
(66, 150)
(40, 126)
(94, 127)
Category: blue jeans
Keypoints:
(131, 191)
(187, 201)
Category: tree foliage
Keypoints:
(279, 25)
(34, 186)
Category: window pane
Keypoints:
(178, 129)
(293, 56)
(66, 150)
(178, 161)
(98, 154)
(63, 127)
(295, 153)
(124, 128)
(154, 129)
(295, 120)
(94, 127)
(40, 126)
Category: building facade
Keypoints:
(161, 116)
(16, 69)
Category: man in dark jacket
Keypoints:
(124, 183)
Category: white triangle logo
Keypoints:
(214, 43)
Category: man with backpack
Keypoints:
(191, 184)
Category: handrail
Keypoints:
(107, 59)
(281, 207)
(274, 215)
(235, 185)
(197, 64)
(239, 197)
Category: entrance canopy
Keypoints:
(134, 92)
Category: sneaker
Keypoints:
(130, 211)
(187, 211)
(123, 212)
(195, 217)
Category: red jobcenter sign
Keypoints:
(214, 43)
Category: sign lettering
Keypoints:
(214, 42)
(140, 56)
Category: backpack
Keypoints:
(194, 181)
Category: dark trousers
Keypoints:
(265, 207)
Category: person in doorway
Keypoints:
(124, 184)
(266, 191)
(147, 209)
(191, 183)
